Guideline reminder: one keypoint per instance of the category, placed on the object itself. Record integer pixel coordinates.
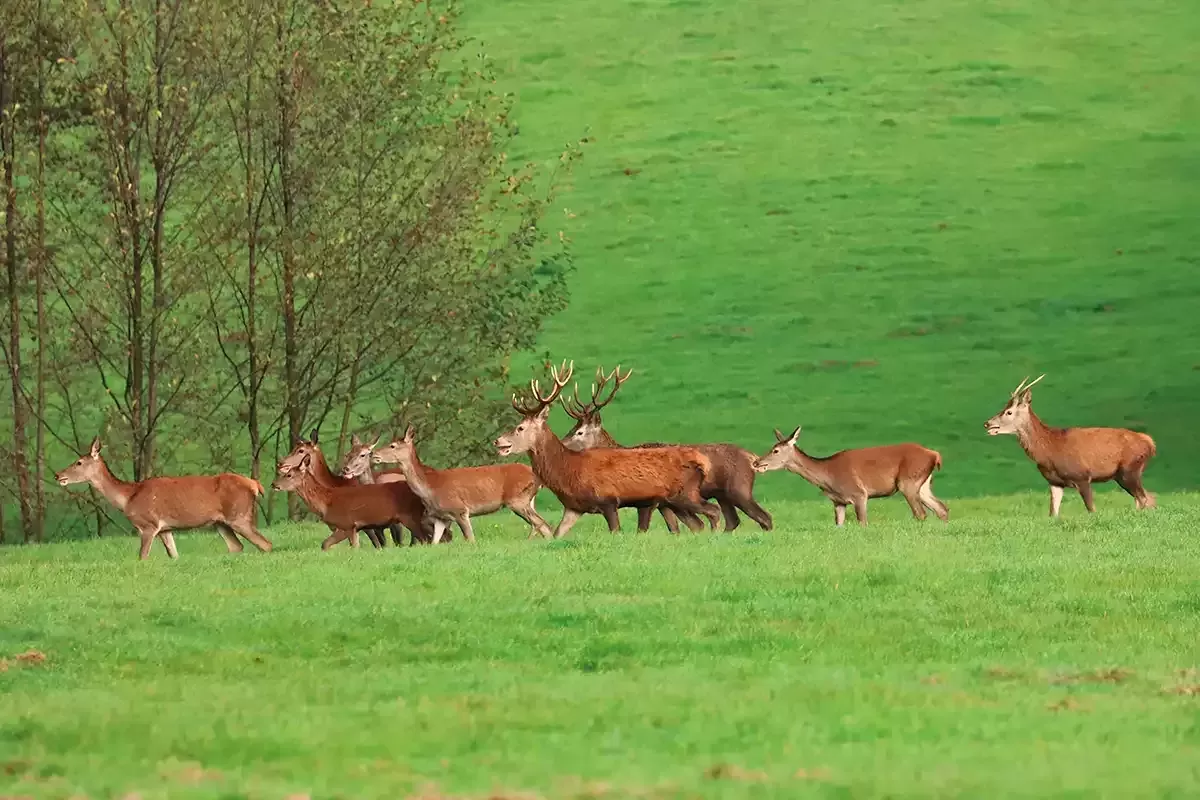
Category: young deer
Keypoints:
(731, 482)
(158, 506)
(349, 509)
(1076, 457)
(324, 476)
(357, 446)
(457, 494)
(604, 479)
(851, 477)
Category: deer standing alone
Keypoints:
(604, 479)
(731, 482)
(159, 506)
(349, 509)
(1076, 457)
(851, 477)
(458, 494)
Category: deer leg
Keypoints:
(914, 502)
(231, 540)
(569, 518)
(1056, 496)
(932, 503)
(338, 535)
(729, 511)
(839, 514)
(464, 524)
(860, 509)
(168, 540)
(439, 525)
(147, 537)
(644, 514)
(611, 517)
(1131, 481)
(1085, 491)
(523, 508)
(249, 532)
(750, 507)
(668, 514)
(374, 536)
(397, 535)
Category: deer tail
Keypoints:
(937, 460)
(1150, 442)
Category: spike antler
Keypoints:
(1026, 384)
(559, 375)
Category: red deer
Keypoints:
(322, 474)
(457, 494)
(851, 477)
(731, 482)
(1076, 457)
(604, 479)
(357, 447)
(349, 509)
(159, 506)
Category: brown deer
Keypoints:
(349, 509)
(457, 494)
(731, 482)
(851, 477)
(1076, 457)
(357, 445)
(159, 506)
(603, 479)
(324, 476)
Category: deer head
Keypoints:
(588, 430)
(290, 477)
(534, 412)
(358, 459)
(85, 470)
(399, 451)
(1015, 415)
(779, 456)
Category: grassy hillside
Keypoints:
(874, 219)
(999, 656)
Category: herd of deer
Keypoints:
(589, 472)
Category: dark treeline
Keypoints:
(227, 222)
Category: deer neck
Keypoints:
(550, 458)
(607, 440)
(807, 467)
(367, 477)
(321, 471)
(417, 475)
(316, 495)
(114, 490)
(1036, 437)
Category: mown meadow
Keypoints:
(868, 219)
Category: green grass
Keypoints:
(1001, 655)
(873, 219)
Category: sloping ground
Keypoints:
(872, 219)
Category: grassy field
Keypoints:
(1000, 655)
(873, 219)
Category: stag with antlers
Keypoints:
(1076, 457)
(731, 482)
(605, 479)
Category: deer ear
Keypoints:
(544, 413)
(315, 435)
(779, 437)
(306, 461)
(354, 440)
(95, 451)
(1026, 397)
(795, 435)
(410, 433)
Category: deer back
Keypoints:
(882, 468)
(1095, 453)
(630, 474)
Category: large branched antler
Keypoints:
(559, 375)
(579, 410)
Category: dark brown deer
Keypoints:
(325, 476)
(851, 477)
(455, 495)
(1076, 457)
(159, 506)
(357, 447)
(604, 479)
(731, 482)
(350, 509)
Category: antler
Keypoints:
(540, 401)
(575, 408)
(598, 389)
(1024, 385)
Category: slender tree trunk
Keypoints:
(156, 244)
(39, 284)
(290, 349)
(254, 381)
(8, 152)
(348, 406)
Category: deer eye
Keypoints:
(1008, 413)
